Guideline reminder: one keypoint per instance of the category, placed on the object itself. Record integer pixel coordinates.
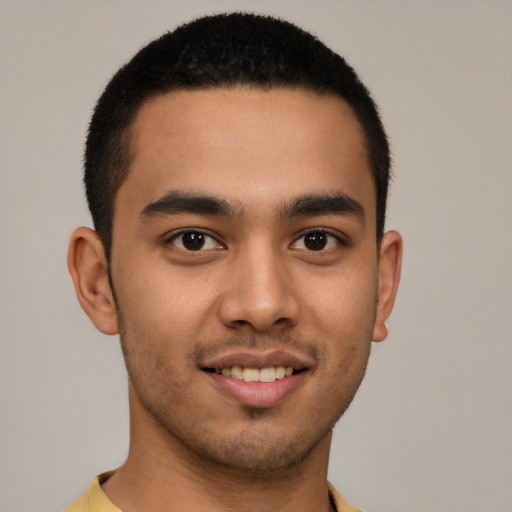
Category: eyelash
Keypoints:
(180, 234)
(219, 245)
(339, 241)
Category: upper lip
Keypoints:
(258, 359)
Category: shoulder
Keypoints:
(94, 500)
(337, 500)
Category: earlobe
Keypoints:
(89, 270)
(390, 264)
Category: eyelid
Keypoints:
(173, 236)
(339, 237)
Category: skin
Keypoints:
(255, 287)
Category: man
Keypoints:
(236, 171)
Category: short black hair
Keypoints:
(223, 50)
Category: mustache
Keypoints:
(212, 348)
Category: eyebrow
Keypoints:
(175, 202)
(326, 204)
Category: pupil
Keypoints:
(193, 241)
(315, 241)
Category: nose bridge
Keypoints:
(259, 290)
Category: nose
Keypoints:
(259, 294)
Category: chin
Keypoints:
(256, 452)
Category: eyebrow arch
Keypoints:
(175, 202)
(318, 204)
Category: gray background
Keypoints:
(431, 426)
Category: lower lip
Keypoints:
(258, 394)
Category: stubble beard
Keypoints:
(256, 451)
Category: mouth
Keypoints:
(257, 380)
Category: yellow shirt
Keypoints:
(95, 500)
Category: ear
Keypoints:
(390, 263)
(89, 270)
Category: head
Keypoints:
(237, 173)
(222, 51)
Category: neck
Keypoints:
(161, 474)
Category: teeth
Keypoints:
(269, 374)
(237, 372)
(251, 375)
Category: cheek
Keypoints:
(155, 336)
(342, 304)
(172, 303)
(343, 315)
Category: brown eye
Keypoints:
(194, 241)
(315, 241)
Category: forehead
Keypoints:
(245, 145)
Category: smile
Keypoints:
(268, 374)
(258, 379)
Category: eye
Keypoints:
(317, 241)
(191, 240)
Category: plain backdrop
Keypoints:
(431, 428)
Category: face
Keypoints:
(245, 265)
